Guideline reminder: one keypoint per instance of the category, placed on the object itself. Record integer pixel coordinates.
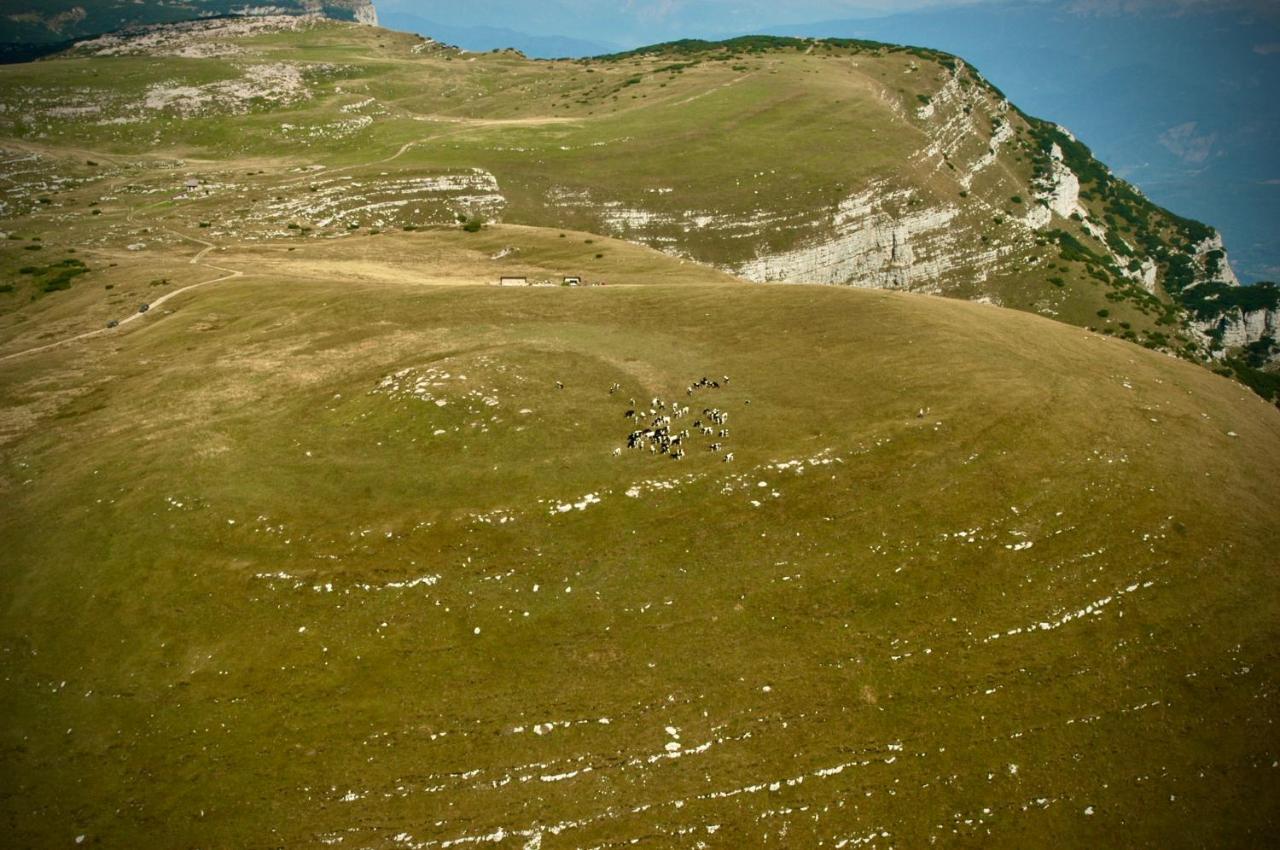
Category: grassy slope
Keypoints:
(160, 691)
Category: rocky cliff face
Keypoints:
(1237, 328)
(367, 14)
(1230, 317)
(978, 200)
(874, 243)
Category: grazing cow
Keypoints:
(728, 458)
(715, 447)
(630, 414)
(559, 385)
(724, 432)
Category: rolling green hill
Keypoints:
(340, 543)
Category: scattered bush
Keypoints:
(56, 276)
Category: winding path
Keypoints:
(197, 260)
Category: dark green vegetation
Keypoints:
(758, 45)
(1136, 229)
(56, 276)
(1209, 300)
(335, 545)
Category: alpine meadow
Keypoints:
(776, 442)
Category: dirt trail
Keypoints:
(197, 260)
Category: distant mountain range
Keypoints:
(482, 38)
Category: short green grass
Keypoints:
(215, 520)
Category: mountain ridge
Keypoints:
(951, 189)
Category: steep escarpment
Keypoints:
(985, 202)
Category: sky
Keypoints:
(629, 23)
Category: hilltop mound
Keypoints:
(368, 558)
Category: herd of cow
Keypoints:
(662, 435)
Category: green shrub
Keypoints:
(1258, 353)
(58, 276)
(1265, 384)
